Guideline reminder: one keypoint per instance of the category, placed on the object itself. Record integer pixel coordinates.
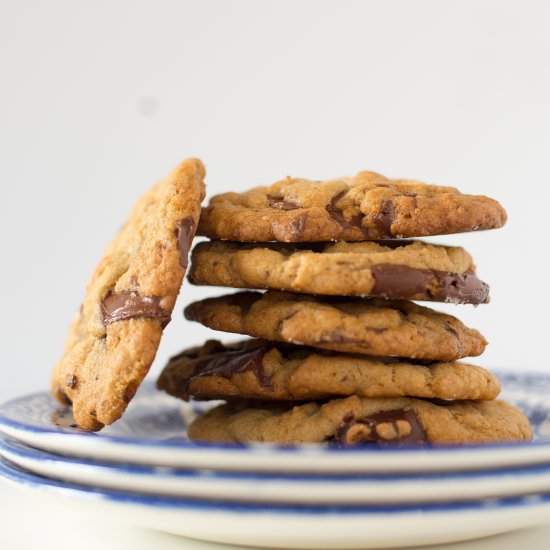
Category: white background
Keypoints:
(100, 99)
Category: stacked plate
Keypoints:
(145, 470)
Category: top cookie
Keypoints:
(365, 207)
(114, 337)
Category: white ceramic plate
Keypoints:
(291, 526)
(153, 432)
(279, 487)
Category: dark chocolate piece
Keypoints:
(225, 361)
(298, 225)
(185, 233)
(385, 217)
(71, 381)
(402, 282)
(338, 215)
(397, 427)
(281, 204)
(454, 287)
(121, 306)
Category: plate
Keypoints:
(153, 432)
(290, 526)
(279, 487)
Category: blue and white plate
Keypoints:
(153, 432)
(291, 526)
(335, 489)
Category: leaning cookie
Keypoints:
(401, 270)
(351, 325)
(114, 338)
(358, 420)
(258, 369)
(365, 207)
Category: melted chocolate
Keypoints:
(400, 281)
(338, 215)
(403, 282)
(454, 287)
(184, 234)
(402, 428)
(227, 361)
(121, 306)
(384, 218)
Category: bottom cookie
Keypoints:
(356, 421)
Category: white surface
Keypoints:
(100, 99)
(25, 526)
(272, 528)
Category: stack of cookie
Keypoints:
(339, 352)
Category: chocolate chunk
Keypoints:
(454, 287)
(71, 381)
(384, 218)
(402, 282)
(281, 204)
(185, 233)
(338, 215)
(397, 427)
(298, 226)
(225, 361)
(125, 305)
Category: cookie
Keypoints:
(351, 325)
(365, 207)
(360, 420)
(114, 337)
(258, 369)
(404, 270)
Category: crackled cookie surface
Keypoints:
(258, 369)
(358, 421)
(408, 270)
(365, 207)
(114, 337)
(351, 325)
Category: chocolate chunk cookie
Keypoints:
(408, 270)
(360, 420)
(351, 325)
(365, 207)
(258, 369)
(114, 338)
